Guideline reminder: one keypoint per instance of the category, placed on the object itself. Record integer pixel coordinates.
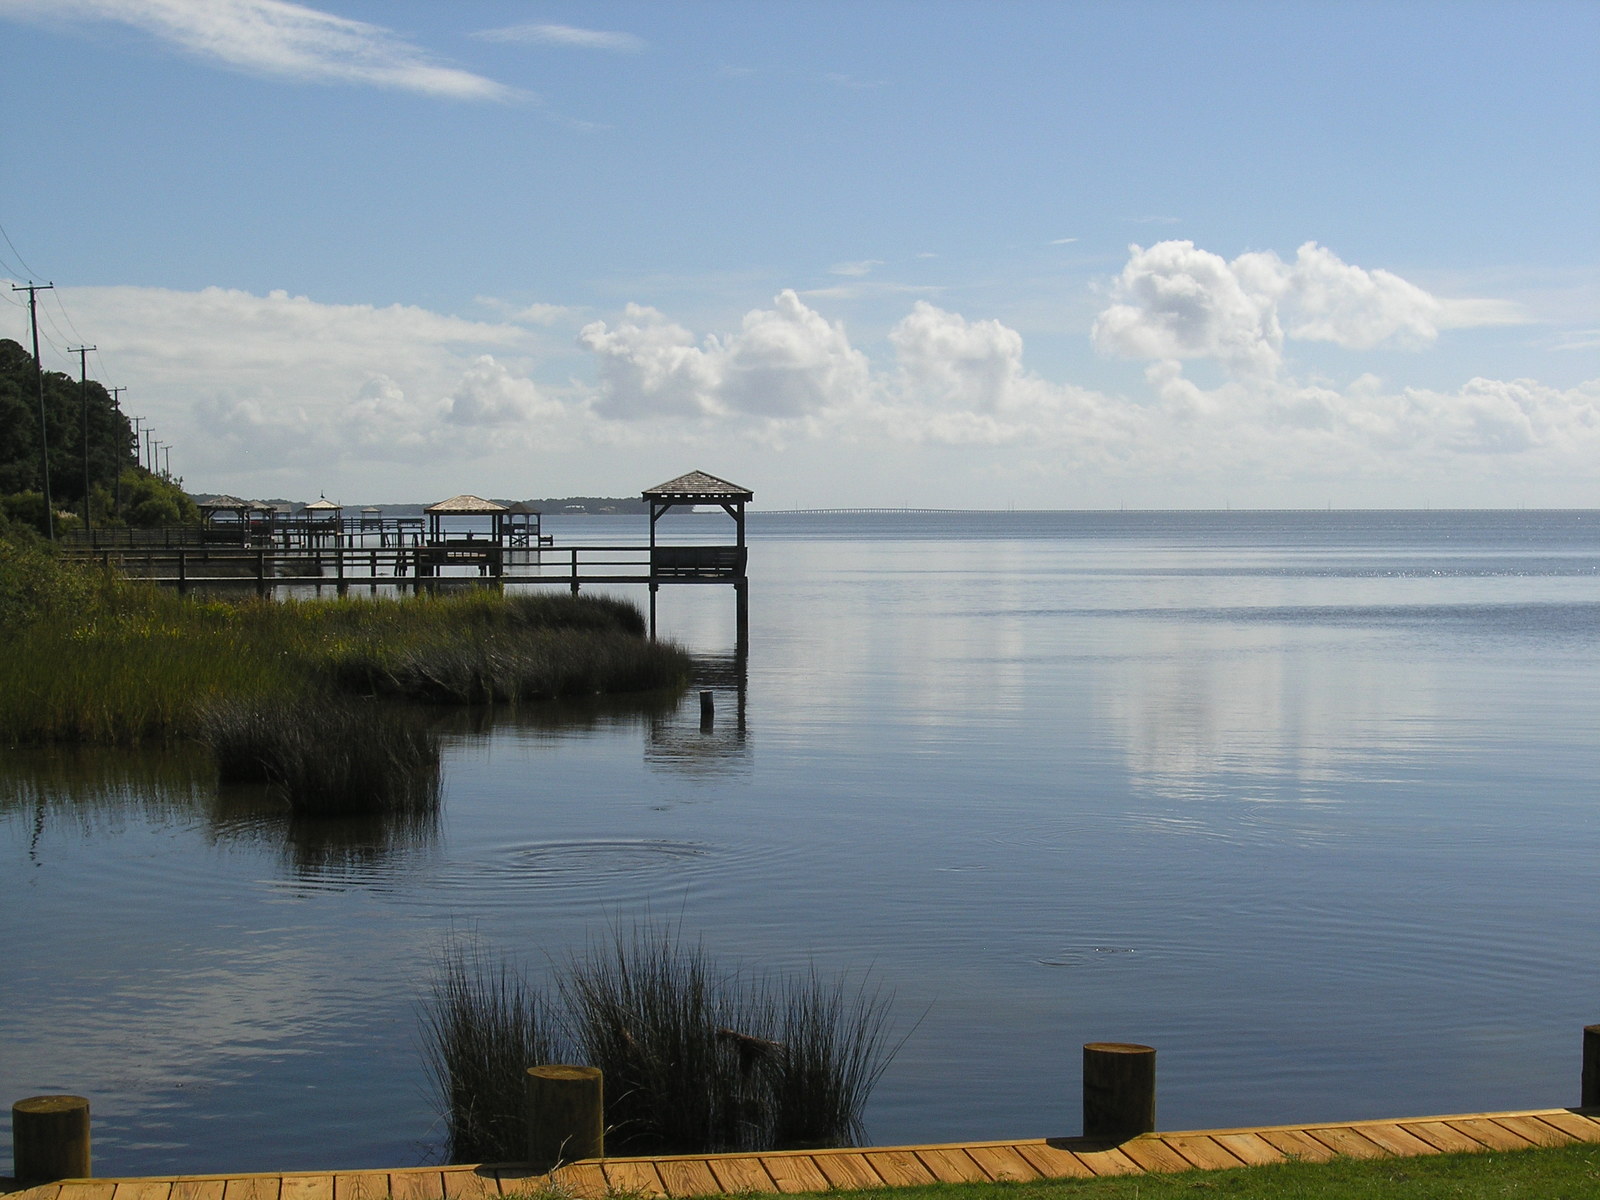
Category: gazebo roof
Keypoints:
(522, 506)
(697, 487)
(465, 505)
(323, 505)
(229, 502)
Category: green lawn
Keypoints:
(1568, 1173)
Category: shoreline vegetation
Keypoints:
(322, 699)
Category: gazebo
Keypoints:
(324, 519)
(714, 562)
(701, 564)
(464, 505)
(236, 530)
(522, 526)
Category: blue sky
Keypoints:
(868, 253)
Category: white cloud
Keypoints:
(566, 35)
(279, 39)
(1176, 301)
(855, 269)
(785, 362)
(490, 395)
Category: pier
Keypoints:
(1023, 1160)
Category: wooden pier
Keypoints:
(874, 1167)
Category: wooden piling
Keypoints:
(1119, 1090)
(50, 1139)
(1591, 1067)
(565, 1109)
(708, 709)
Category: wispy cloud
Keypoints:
(1062, 241)
(566, 35)
(855, 269)
(277, 39)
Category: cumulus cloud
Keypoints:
(566, 35)
(279, 39)
(490, 395)
(1176, 301)
(785, 362)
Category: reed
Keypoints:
(483, 1027)
(327, 756)
(698, 1056)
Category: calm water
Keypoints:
(1307, 801)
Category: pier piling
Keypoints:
(1119, 1090)
(1591, 1067)
(50, 1139)
(565, 1108)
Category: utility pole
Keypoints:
(116, 487)
(149, 439)
(38, 374)
(168, 471)
(83, 400)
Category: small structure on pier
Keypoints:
(324, 521)
(700, 563)
(522, 527)
(440, 548)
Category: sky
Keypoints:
(977, 254)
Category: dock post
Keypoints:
(261, 573)
(1591, 1067)
(342, 588)
(183, 584)
(741, 616)
(50, 1139)
(708, 710)
(565, 1111)
(1119, 1090)
(574, 570)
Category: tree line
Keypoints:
(76, 416)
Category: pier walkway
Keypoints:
(873, 1167)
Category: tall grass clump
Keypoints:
(326, 756)
(483, 1027)
(698, 1056)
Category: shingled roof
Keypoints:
(698, 487)
(466, 505)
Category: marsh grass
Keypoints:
(327, 756)
(698, 1056)
(483, 1026)
(86, 655)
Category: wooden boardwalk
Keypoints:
(872, 1167)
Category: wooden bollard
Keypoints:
(1119, 1090)
(708, 709)
(50, 1138)
(565, 1108)
(1591, 1067)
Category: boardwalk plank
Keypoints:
(1053, 1162)
(899, 1168)
(1004, 1164)
(1348, 1142)
(583, 1179)
(1107, 1160)
(1493, 1136)
(687, 1177)
(197, 1189)
(1251, 1148)
(1536, 1131)
(1298, 1145)
(847, 1170)
(253, 1187)
(1443, 1137)
(86, 1189)
(1397, 1140)
(1153, 1154)
(469, 1183)
(360, 1185)
(635, 1175)
(405, 1185)
(312, 1187)
(142, 1189)
(742, 1173)
(1584, 1129)
(951, 1164)
(1204, 1152)
(795, 1172)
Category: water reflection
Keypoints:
(701, 739)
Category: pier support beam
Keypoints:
(1591, 1067)
(1119, 1090)
(50, 1139)
(565, 1108)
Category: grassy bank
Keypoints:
(89, 656)
(1565, 1173)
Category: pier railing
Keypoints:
(422, 565)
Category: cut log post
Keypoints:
(1119, 1090)
(1591, 1067)
(708, 710)
(50, 1139)
(565, 1108)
